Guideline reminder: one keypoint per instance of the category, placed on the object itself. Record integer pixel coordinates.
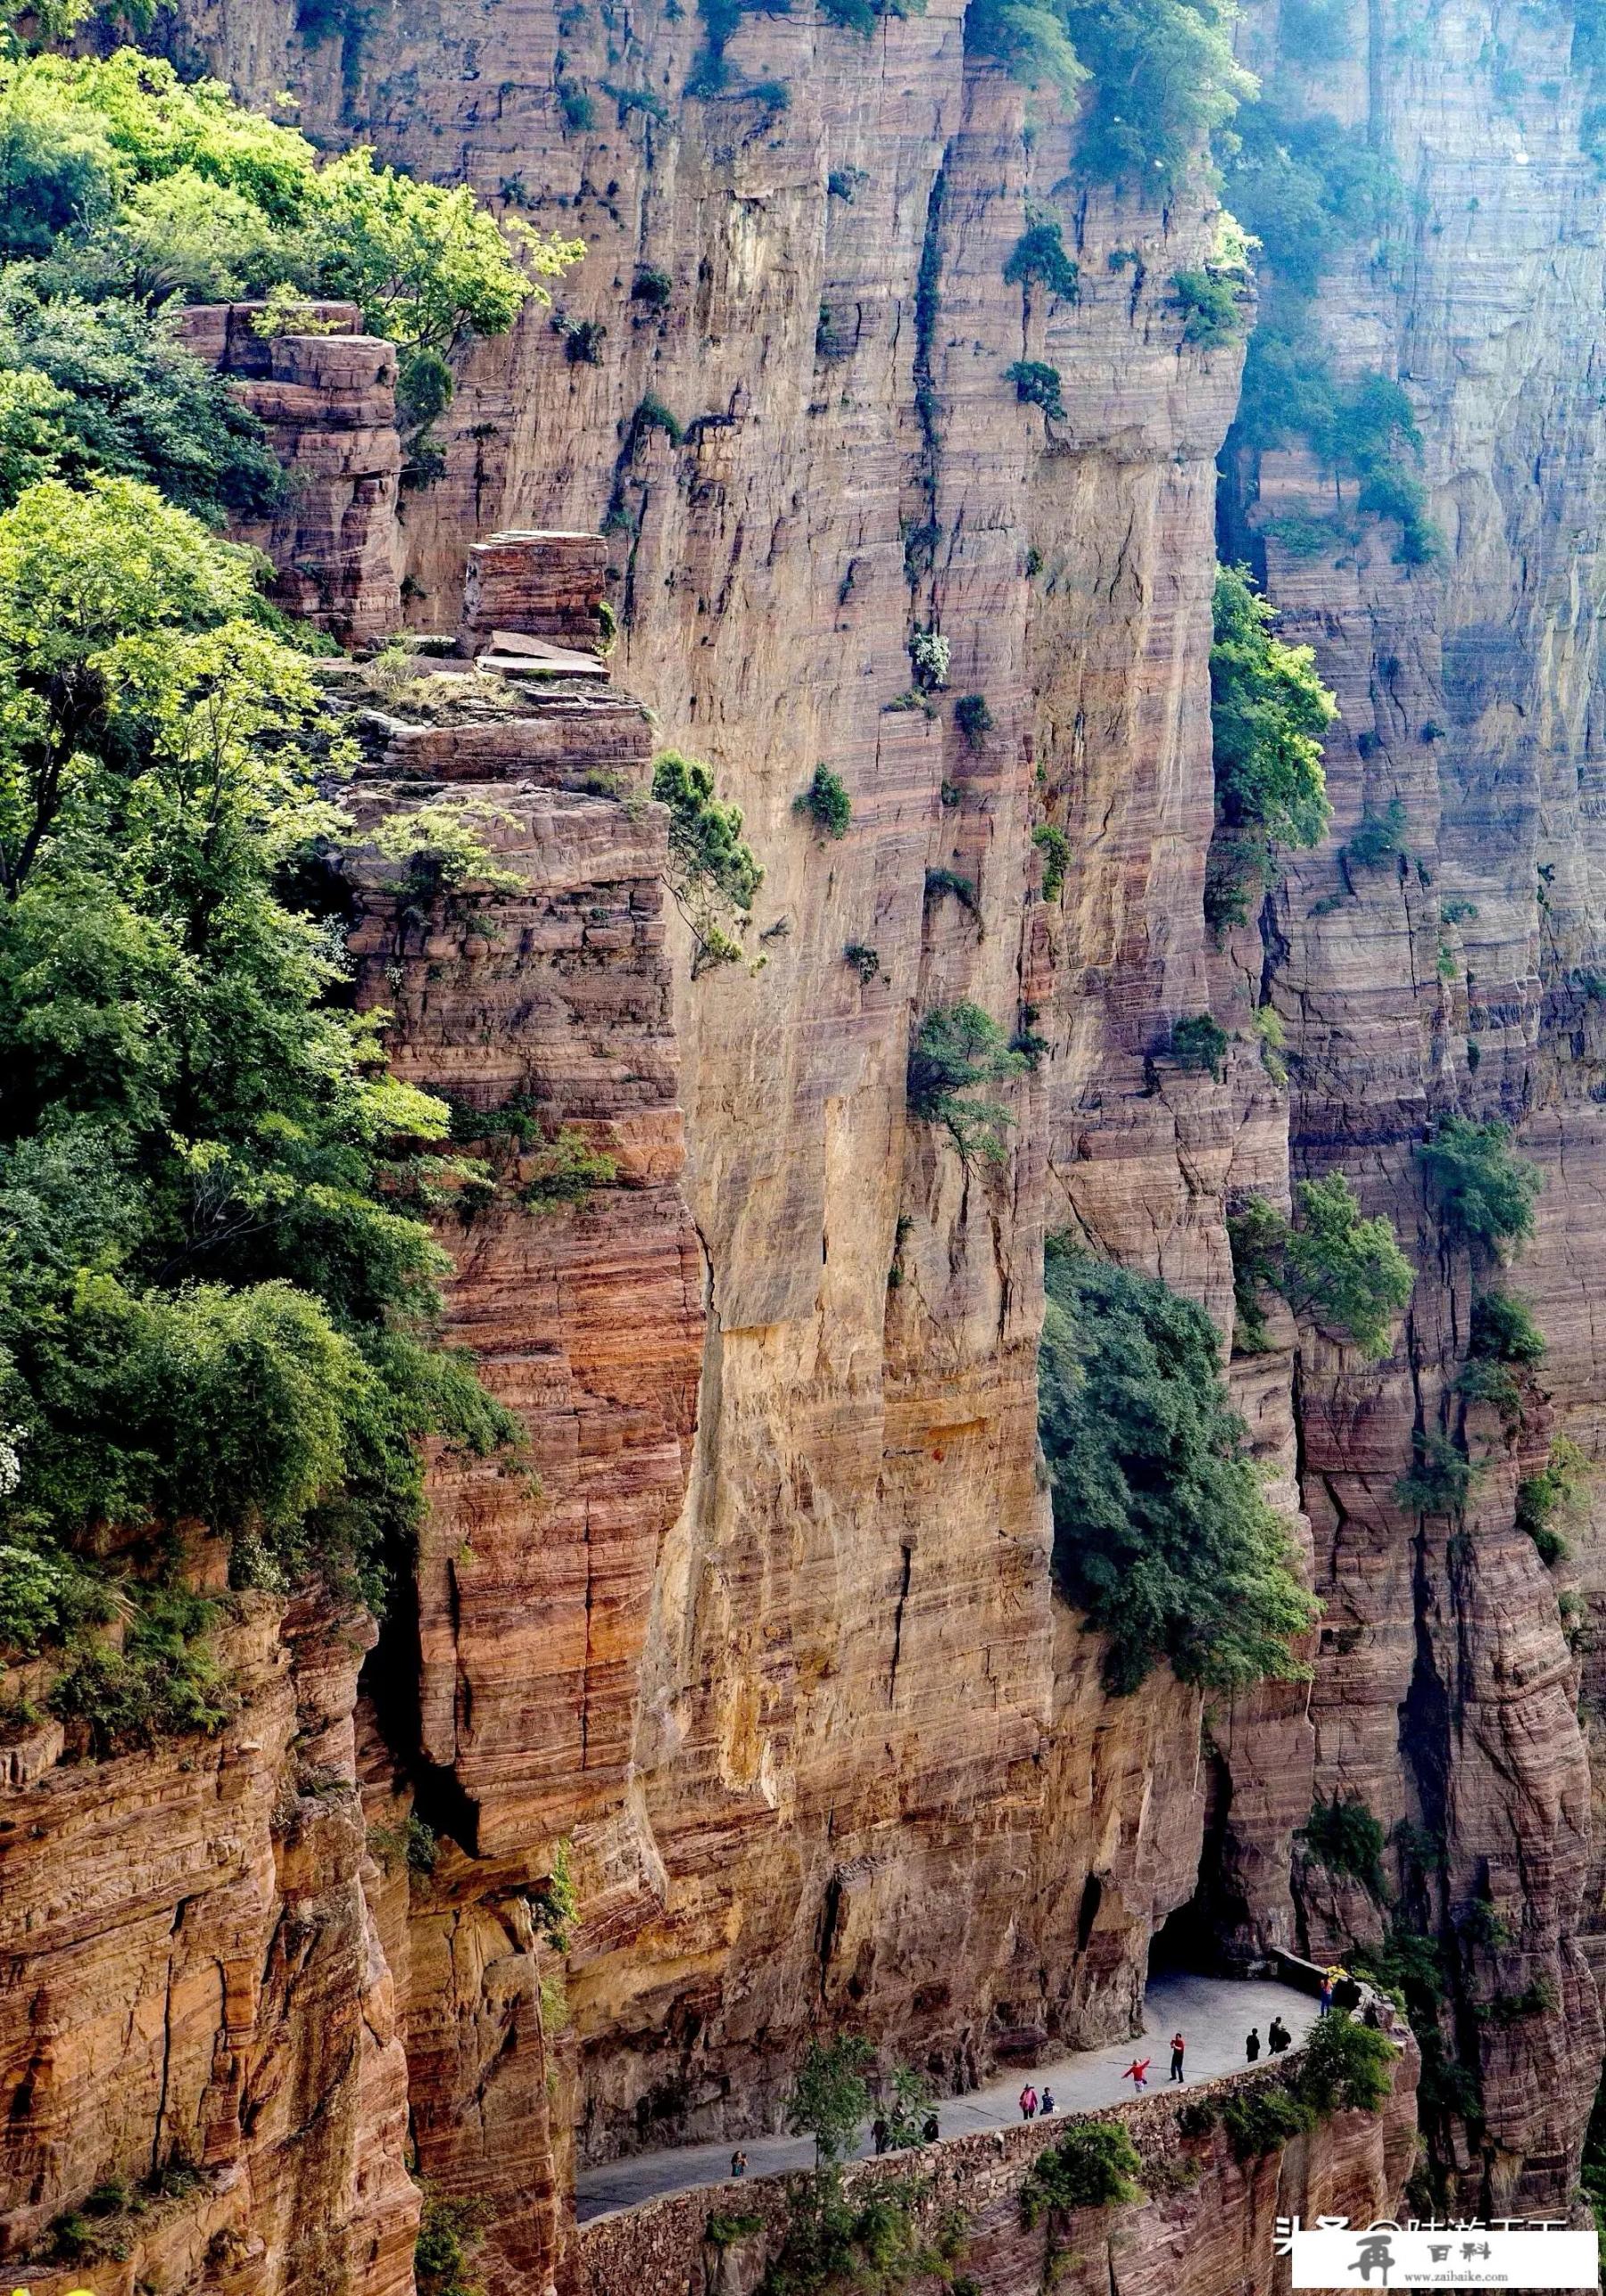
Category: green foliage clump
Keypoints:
(1558, 1489)
(134, 181)
(957, 1050)
(930, 654)
(412, 1845)
(1268, 712)
(1538, 1998)
(1485, 1190)
(830, 2098)
(1037, 384)
(106, 387)
(1156, 78)
(826, 802)
(862, 16)
(722, 2231)
(1481, 1380)
(164, 1682)
(1162, 1531)
(829, 2244)
(558, 1904)
(864, 960)
(712, 870)
(449, 2233)
(974, 719)
(1343, 1835)
(214, 1301)
(1211, 312)
(1379, 838)
(1259, 2120)
(1039, 254)
(1199, 1042)
(1093, 2166)
(1439, 1478)
(1056, 848)
(564, 1169)
(1346, 1272)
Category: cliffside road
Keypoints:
(1213, 2013)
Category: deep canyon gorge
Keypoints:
(761, 1644)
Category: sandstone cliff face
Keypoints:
(872, 1772)
(196, 2004)
(775, 1640)
(1457, 977)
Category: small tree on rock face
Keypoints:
(710, 869)
(957, 1049)
(1485, 1190)
(831, 2097)
(1095, 2166)
(1347, 1272)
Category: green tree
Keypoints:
(1346, 1272)
(216, 1300)
(1093, 2166)
(1485, 1190)
(830, 2098)
(128, 402)
(1346, 2066)
(1268, 712)
(713, 872)
(1161, 1532)
(958, 1050)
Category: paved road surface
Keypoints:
(1215, 2013)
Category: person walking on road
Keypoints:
(739, 2164)
(1136, 2072)
(1044, 2105)
(1029, 2103)
(1325, 1997)
(1252, 2044)
(1278, 2037)
(1177, 2046)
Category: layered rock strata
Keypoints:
(326, 399)
(1454, 976)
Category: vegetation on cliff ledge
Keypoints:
(218, 1288)
(1346, 1273)
(1268, 712)
(1162, 1533)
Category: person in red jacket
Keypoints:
(1136, 2072)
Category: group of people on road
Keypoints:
(1278, 2039)
(1037, 2105)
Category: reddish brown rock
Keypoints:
(327, 401)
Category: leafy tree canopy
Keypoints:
(216, 1293)
(1162, 1534)
(1269, 710)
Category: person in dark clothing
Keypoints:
(1252, 2044)
(1179, 2046)
(1044, 2105)
(1278, 2037)
(930, 2131)
(878, 2134)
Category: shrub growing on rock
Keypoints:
(1162, 1531)
(1347, 1273)
(1485, 1190)
(1343, 1835)
(826, 802)
(1093, 2166)
(958, 1051)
